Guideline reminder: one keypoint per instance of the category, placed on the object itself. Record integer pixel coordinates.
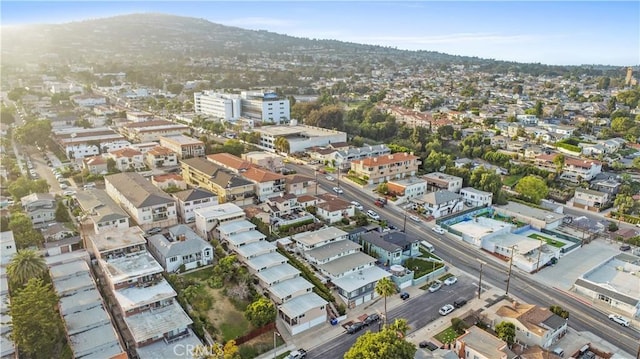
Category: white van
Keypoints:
(428, 246)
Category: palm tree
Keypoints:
(385, 287)
(26, 264)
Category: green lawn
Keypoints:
(357, 180)
(447, 336)
(235, 325)
(512, 180)
(421, 267)
(426, 254)
(553, 242)
(200, 275)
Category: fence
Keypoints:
(522, 229)
(431, 276)
(576, 242)
(255, 333)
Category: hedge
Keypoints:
(569, 147)
(320, 288)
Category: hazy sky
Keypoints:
(562, 33)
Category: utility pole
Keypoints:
(316, 181)
(539, 253)
(480, 281)
(513, 247)
(404, 225)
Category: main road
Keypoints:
(583, 316)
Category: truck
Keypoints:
(297, 354)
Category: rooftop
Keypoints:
(483, 342)
(618, 275)
(353, 281)
(133, 297)
(181, 240)
(306, 131)
(539, 214)
(333, 249)
(138, 190)
(387, 159)
(391, 241)
(440, 197)
(347, 263)
(311, 239)
(161, 349)
(302, 304)
(289, 287)
(266, 261)
(156, 322)
(117, 239)
(221, 211)
(99, 206)
(181, 140)
(245, 237)
(251, 249)
(480, 226)
(277, 273)
(130, 266)
(80, 301)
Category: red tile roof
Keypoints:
(230, 161)
(259, 175)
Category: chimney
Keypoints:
(182, 238)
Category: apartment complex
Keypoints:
(228, 186)
(299, 137)
(183, 146)
(385, 168)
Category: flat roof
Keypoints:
(251, 249)
(130, 298)
(235, 226)
(483, 342)
(131, 266)
(73, 284)
(480, 226)
(69, 269)
(354, 281)
(322, 235)
(347, 263)
(266, 261)
(182, 140)
(160, 349)
(80, 301)
(524, 244)
(617, 275)
(86, 319)
(117, 238)
(309, 131)
(156, 322)
(333, 249)
(245, 237)
(100, 206)
(539, 214)
(289, 287)
(302, 304)
(277, 273)
(220, 211)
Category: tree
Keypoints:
(111, 165)
(506, 331)
(556, 309)
(533, 188)
(37, 328)
(62, 214)
(625, 203)
(383, 188)
(445, 131)
(23, 231)
(282, 144)
(538, 109)
(389, 343)
(486, 180)
(24, 265)
(24, 186)
(385, 288)
(261, 312)
(217, 351)
(559, 162)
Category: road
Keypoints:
(583, 316)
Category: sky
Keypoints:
(548, 32)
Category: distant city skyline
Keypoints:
(553, 33)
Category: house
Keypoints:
(441, 181)
(266, 160)
(309, 240)
(80, 143)
(300, 185)
(126, 159)
(146, 204)
(229, 186)
(267, 183)
(333, 208)
(169, 181)
(95, 164)
(442, 203)
(285, 210)
(180, 249)
(56, 232)
(190, 200)
(344, 157)
(477, 343)
(476, 198)
(159, 157)
(390, 248)
(183, 146)
(407, 188)
(104, 212)
(527, 120)
(534, 325)
(590, 199)
(574, 169)
(39, 207)
(208, 219)
(385, 168)
(610, 186)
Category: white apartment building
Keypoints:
(442, 181)
(102, 211)
(184, 146)
(475, 197)
(208, 219)
(192, 199)
(218, 105)
(80, 143)
(300, 137)
(263, 106)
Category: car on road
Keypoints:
(625, 247)
(373, 215)
(357, 205)
(338, 190)
(404, 295)
(154, 230)
(69, 193)
(373, 318)
(438, 229)
(355, 327)
(619, 319)
(330, 178)
(458, 303)
(451, 280)
(414, 218)
(435, 286)
(297, 354)
(446, 309)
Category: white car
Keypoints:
(438, 229)
(435, 286)
(414, 218)
(373, 215)
(338, 190)
(446, 309)
(451, 280)
(357, 205)
(619, 319)
(69, 193)
(330, 178)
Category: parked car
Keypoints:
(451, 280)
(69, 193)
(357, 205)
(373, 215)
(297, 354)
(338, 190)
(355, 327)
(154, 230)
(625, 247)
(428, 345)
(446, 309)
(330, 178)
(414, 218)
(379, 203)
(438, 229)
(404, 295)
(372, 319)
(435, 286)
(619, 319)
(458, 303)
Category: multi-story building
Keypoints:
(146, 204)
(385, 168)
(180, 246)
(442, 203)
(40, 207)
(475, 197)
(81, 143)
(441, 181)
(160, 156)
(407, 188)
(266, 107)
(230, 162)
(300, 185)
(573, 169)
(143, 300)
(126, 159)
(392, 247)
(344, 158)
(151, 131)
(299, 137)
(104, 213)
(590, 199)
(534, 325)
(191, 199)
(218, 105)
(228, 186)
(183, 146)
(267, 183)
(208, 219)
(95, 165)
(479, 344)
(333, 208)
(266, 160)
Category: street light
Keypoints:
(480, 281)
(275, 335)
(513, 247)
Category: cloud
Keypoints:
(253, 22)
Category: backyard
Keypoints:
(553, 242)
(446, 336)
(422, 267)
